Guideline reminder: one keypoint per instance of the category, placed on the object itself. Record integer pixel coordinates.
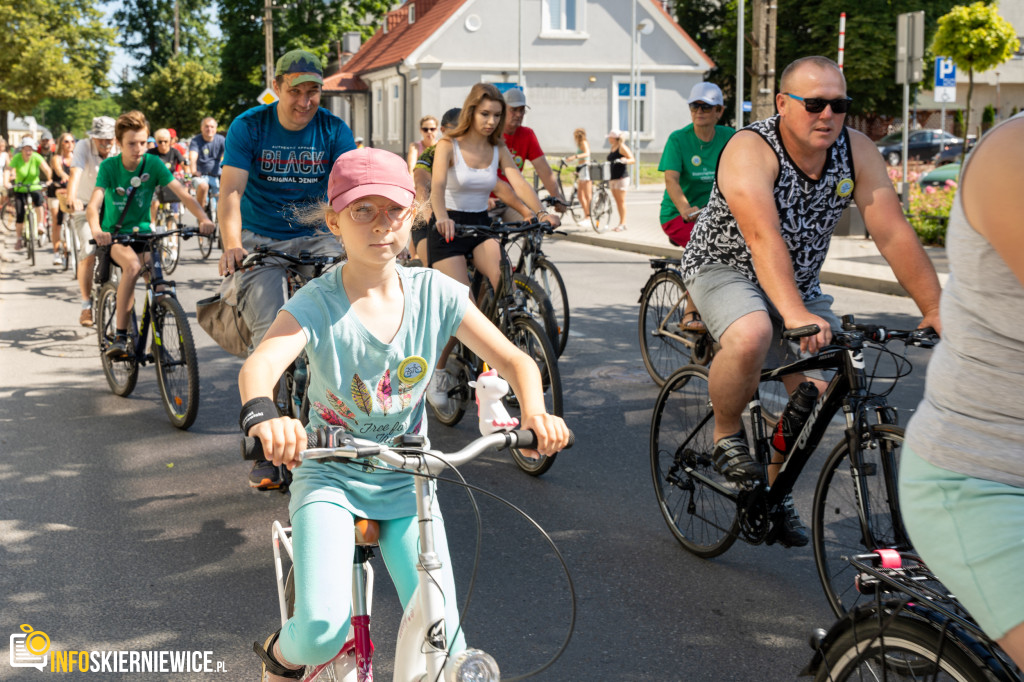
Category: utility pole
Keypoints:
(268, 37)
(177, 30)
(762, 82)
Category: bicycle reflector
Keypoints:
(474, 665)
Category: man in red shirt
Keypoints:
(522, 143)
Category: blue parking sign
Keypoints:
(945, 73)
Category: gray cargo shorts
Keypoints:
(723, 295)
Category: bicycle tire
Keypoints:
(170, 249)
(538, 304)
(836, 526)
(908, 649)
(550, 280)
(702, 519)
(530, 337)
(122, 375)
(8, 214)
(206, 245)
(451, 413)
(29, 235)
(177, 366)
(601, 208)
(71, 243)
(662, 305)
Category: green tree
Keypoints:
(176, 95)
(976, 38)
(50, 48)
(65, 114)
(309, 24)
(147, 33)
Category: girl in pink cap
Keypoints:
(372, 332)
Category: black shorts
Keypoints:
(419, 232)
(21, 200)
(438, 249)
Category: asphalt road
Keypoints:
(119, 532)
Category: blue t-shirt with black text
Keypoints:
(286, 168)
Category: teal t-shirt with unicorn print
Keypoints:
(375, 390)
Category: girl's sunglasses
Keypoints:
(816, 105)
(428, 130)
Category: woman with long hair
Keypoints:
(620, 156)
(464, 172)
(430, 131)
(60, 164)
(584, 187)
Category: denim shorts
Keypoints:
(970, 531)
(723, 295)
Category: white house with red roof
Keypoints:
(575, 57)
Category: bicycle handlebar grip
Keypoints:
(252, 447)
(800, 332)
(527, 439)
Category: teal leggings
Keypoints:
(323, 542)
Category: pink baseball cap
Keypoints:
(370, 172)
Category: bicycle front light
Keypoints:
(473, 665)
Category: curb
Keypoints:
(879, 286)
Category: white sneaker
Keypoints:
(437, 389)
(586, 223)
(57, 260)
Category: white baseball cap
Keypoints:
(28, 141)
(706, 92)
(515, 98)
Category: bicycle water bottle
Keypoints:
(794, 416)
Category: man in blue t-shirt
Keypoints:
(277, 159)
(204, 156)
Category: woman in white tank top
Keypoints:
(463, 175)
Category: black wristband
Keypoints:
(255, 411)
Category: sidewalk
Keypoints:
(851, 261)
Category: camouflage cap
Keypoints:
(300, 61)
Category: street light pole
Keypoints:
(268, 36)
(740, 28)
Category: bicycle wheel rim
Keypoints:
(702, 519)
(661, 311)
(836, 527)
(539, 305)
(528, 336)
(176, 364)
(550, 280)
(450, 412)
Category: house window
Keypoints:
(562, 18)
(412, 14)
(620, 108)
(378, 107)
(394, 112)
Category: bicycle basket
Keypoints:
(220, 317)
(600, 171)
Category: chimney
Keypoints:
(350, 43)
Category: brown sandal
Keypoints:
(694, 324)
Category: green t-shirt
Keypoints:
(27, 172)
(112, 175)
(696, 161)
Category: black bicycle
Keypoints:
(911, 628)
(855, 504)
(173, 350)
(534, 266)
(508, 310)
(292, 398)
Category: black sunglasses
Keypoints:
(816, 105)
(428, 130)
(703, 106)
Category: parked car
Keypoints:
(951, 153)
(941, 175)
(923, 144)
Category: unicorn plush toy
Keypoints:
(490, 389)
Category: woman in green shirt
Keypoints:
(23, 178)
(114, 183)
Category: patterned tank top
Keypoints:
(808, 213)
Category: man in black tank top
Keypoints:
(753, 261)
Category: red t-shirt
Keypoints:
(524, 147)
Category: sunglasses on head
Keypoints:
(816, 105)
(702, 106)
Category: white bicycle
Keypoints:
(422, 653)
